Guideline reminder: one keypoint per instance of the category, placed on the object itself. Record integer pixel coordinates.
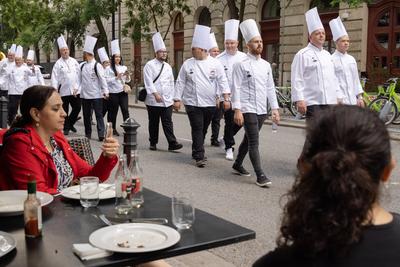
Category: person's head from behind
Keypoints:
(41, 107)
(343, 162)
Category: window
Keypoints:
(271, 9)
(205, 17)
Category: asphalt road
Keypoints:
(217, 190)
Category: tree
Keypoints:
(146, 13)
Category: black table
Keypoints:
(65, 222)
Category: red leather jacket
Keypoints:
(24, 154)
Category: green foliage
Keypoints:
(145, 16)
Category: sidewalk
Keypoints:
(286, 120)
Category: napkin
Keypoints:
(86, 251)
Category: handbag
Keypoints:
(143, 93)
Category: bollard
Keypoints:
(3, 112)
(130, 136)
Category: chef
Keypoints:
(314, 83)
(345, 65)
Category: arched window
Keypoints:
(178, 43)
(271, 10)
(205, 17)
(326, 13)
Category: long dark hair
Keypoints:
(114, 69)
(339, 171)
(34, 97)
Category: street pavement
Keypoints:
(218, 191)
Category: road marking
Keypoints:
(184, 139)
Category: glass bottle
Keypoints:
(136, 171)
(123, 187)
(32, 212)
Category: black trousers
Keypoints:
(117, 100)
(4, 93)
(88, 105)
(200, 119)
(75, 103)
(215, 122)
(165, 114)
(250, 142)
(231, 128)
(13, 105)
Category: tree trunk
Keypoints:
(241, 15)
(37, 53)
(102, 40)
(233, 10)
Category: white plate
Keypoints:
(134, 237)
(12, 201)
(106, 191)
(7, 243)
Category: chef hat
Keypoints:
(103, 54)
(61, 42)
(337, 28)
(12, 49)
(231, 29)
(313, 20)
(249, 29)
(31, 55)
(90, 42)
(19, 52)
(201, 37)
(213, 42)
(158, 42)
(115, 47)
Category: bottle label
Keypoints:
(126, 189)
(136, 185)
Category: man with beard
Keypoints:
(65, 78)
(253, 86)
(314, 84)
(200, 80)
(159, 82)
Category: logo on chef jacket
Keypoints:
(313, 59)
(212, 75)
(190, 71)
(248, 75)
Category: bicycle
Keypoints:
(388, 104)
(284, 101)
(368, 98)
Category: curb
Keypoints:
(394, 134)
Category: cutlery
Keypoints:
(112, 220)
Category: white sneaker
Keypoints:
(229, 154)
(221, 143)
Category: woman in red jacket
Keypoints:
(35, 147)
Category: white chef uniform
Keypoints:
(164, 84)
(200, 82)
(65, 76)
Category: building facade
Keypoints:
(374, 30)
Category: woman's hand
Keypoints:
(110, 147)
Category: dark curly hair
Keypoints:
(339, 171)
(34, 97)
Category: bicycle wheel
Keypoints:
(293, 108)
(396, 121)
(386, 108)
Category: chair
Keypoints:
(81, 146)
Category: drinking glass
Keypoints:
(89, 190)
(182, 211)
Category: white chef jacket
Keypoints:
(347, 74)
(228, 61)
(115, 85)
(200, 82)
(65, 76)
(164, 84)
(92, 86)
(313, 77)
(17, 79)
(253, 86)
(35, 76)
(5, 68)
